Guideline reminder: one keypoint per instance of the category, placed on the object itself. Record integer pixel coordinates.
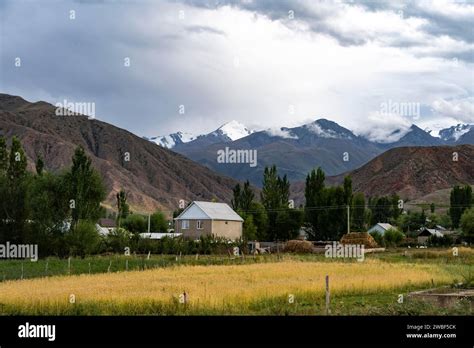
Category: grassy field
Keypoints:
(221, 285)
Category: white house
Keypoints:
(209, 218)
(381, 228)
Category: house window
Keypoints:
(199, 225)
(185, 224)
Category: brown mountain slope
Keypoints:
(154, 177)
(411, 172)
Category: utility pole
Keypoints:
(348, 219)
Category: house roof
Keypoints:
(107, 222)
(385, 226)
(432, 231)
(213, 211)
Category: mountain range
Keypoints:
(295, 151)
(157, 178)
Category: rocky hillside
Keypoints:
(411, 172)
(154, 177)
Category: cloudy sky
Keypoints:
(263, 63)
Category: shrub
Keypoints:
(393, 237)
(467, 224)
(84, 239)
(118, 240)
(135, 223)
(440, 241)
(377, 236)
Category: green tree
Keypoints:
(235, 202)
(83, 239)
(348, 190)
(17, 163)
(247, 197)
(313, 200)
(39, 166)
(274, 197)
(3, 156)
(122, 206)
(358, 212)
(260, 220)
(158, 222)
(381, 209)
(249, 228)
(288, 223)
(14, 196)
(49, 211)
(392, 237)
(467, 224)
(460, 200)
(86, 188)
(135, 223)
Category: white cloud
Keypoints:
(460, 109)
(280, 132)
(384, 128)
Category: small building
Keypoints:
(426, 233)
(381, 228)
(105, 226)
(209, 218)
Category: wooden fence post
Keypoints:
(328, 294)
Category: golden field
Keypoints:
(217, 287)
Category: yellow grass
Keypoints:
(212, 286)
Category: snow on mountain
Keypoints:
(283, 132)
(229, 131)
(455, 132)
(328, 129)
(233, 130)
(171, 140)
(323, 128)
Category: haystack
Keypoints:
(298, 246)
(361, 238)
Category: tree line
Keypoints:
(324, 214)
(55, 211)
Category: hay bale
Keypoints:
(298, 246)
(361, 238)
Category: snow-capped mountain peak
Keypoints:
(233, 130)
(229, 131)
(171, 140)
(328, 129)
(455, 132)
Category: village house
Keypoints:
(381, 228)
(105, 226)
(425, 233)
(209, 218)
